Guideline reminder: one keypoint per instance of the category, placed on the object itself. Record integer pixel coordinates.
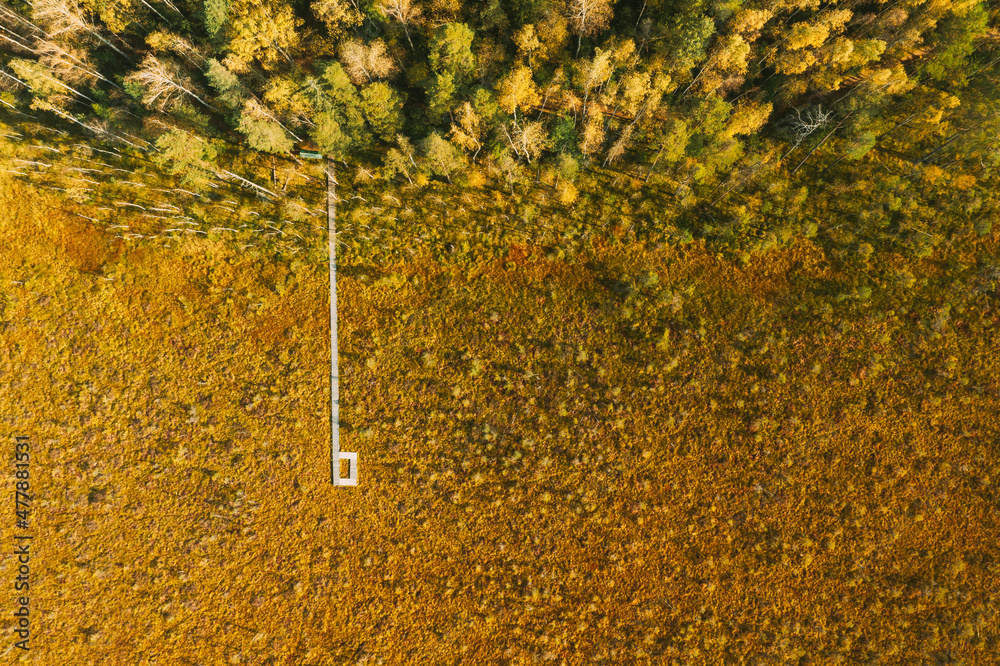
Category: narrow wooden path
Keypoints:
(335, 455)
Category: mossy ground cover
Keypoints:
(633, 453)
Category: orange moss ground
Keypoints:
(639, 457)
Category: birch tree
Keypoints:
(337, 15)
(593, 133)
(442, 157)
(264, 31)
(528, 44)
(406, 12)
(528, 140)
(163, 84)
(41, 82)
(366, 62)
(69, 64)
(65, 19)
(517, 90)
(400, 160)
(467, 132)
(262, 132)
(587, 18)
(594, 73)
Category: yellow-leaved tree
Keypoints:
(262, 30)
(517, 90)
(467, 132)
(587, 18)
(337, 15)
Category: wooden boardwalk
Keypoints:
(335, 455)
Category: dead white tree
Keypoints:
(261, 191)
(68, 64)
(38, 74)
(153, 9)
(812, 120)
(805, 124)
(163, 83)
(255, 109)
(588, 17)
(11, 37)
(66, 17)
(16, 80)
(15, 20)
(406, 12)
